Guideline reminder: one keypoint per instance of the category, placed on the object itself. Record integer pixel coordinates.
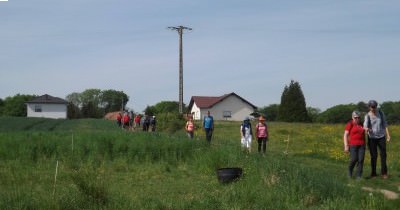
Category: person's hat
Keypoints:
(372, 103)
(355, 114)
(246, 118)
(261, 118)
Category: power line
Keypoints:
(180, 30)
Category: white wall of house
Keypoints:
(196, 111)
(232, 105)
(55, 111)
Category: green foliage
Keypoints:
(1, 106)
(15, 105)
(114, 169)
(163, 107)
(313, 113)
(103, 167)
(293, 104)
(168, 117)
(95, 103)
(337, 114)
(170, 122)
(111, 100)
(392, 111)
(73, 112)
(270, 112)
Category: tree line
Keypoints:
(95, 103)
(91, 103)
(293, 109)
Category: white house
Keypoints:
(48, 107)
(227, 107)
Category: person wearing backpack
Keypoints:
(354, 142)
(246, 134)
(378, 133)
(262, 134)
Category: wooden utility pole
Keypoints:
(180, 32)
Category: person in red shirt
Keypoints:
(137, 121)
(125, 120)
(119, 118)
(354, 142)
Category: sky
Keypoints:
(340, 52)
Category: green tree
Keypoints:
(392, 111)
(90, 110)
(149, 110)
(167, 106)
(167, 114)
(313, 113)
(112, 100)
(75, 99)
(293, 104)
(95, 103)
(1, 106)
(15, 105)
(270, 112)
(73, 112)
(337, 114)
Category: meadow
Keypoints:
(92, 164)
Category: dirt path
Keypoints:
(387, 193)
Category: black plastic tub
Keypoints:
(227, 175)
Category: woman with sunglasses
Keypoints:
(354, 142)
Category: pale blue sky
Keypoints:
(334, 49)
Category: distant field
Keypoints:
(92, 164)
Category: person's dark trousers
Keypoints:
(357, 154)
(373, 145)
(263, 142)
(208, 134)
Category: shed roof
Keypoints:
(47, 99)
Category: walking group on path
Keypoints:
(246, 131)
(130, 121)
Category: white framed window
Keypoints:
(227, 114)
(38, 108)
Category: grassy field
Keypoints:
(91, 164)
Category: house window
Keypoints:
(227, 114)
(38, 108)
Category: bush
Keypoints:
(170, 122)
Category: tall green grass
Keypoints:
(103, 167)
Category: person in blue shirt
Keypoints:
(208, 125)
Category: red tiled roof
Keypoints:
(47, 99)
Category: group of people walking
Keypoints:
(246, 134)
(246, 131)
(130, 121)
(376, 128)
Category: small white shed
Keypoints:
(47, 106)
(227, 107)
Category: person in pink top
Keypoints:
(190, 127)
(262, 134)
